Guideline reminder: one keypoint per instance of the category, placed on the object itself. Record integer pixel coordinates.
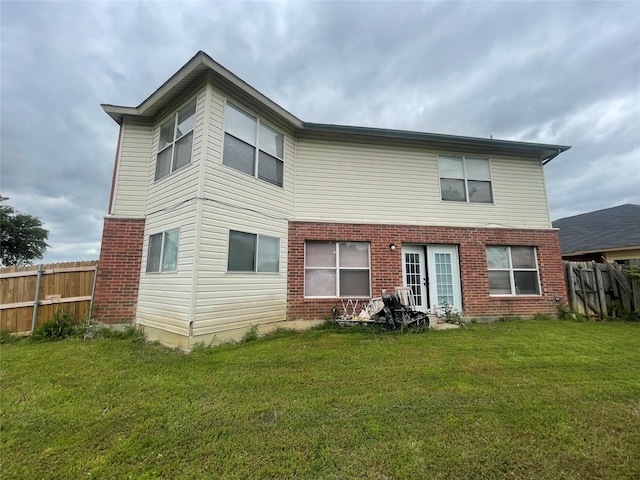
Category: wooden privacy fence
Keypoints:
(594, 288)
(31, 295)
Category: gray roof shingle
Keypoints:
(602, 230)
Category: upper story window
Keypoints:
(176, 141)
(465, 179)
(512, 270)
(162, 254)
(252, 147)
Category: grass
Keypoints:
(517, 399)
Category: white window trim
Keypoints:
(511, 271)
(466, 179)
(337, 268)
(256, 155)
(159, 125)
(255, 261)
(162, 246)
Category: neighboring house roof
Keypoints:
(600, 231)
(201, 64)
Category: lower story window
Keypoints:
(162, 255)
(512, 270)
(337, 269)
(249, 252)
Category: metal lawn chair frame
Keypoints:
(395, 311)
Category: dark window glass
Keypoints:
(354, 283)
(183, 151)
(163, 163)
(153, 255)
(526, 283)
(242, 247)
(270, 169)
(238, 155)
(499, 283)
(480, 191)
(453, 190)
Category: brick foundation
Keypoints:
(119, 270)
(386, 265)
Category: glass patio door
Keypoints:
(444, 276)
(415, 274)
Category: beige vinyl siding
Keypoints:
(519, 193)
(231, 200)
(375, 183)
(206, 201)
(164, 299)
(182, 184)
(626, 254)
(227, 300)
(236, 188)
(130, 187)
(214, 139)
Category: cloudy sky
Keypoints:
(550, 72)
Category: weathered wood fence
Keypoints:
(31, 295)
(595, 289)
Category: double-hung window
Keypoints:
(176, 141)
(162, 254)
(465, 179)
(337, 269)
(513, 270)
(249, 252)
(252, 147)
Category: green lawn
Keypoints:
(519, 399)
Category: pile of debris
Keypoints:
(395, 311)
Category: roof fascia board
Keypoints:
(252, 92)
(117, 113)
(200, 59)
(553, 150)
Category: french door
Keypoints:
(415, 275)
(439, 282)
(444, 276)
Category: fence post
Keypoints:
(635, 287)
(93, 293)
(602, 298)
(571, 283)
(36, 301)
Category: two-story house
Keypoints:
(228, 211)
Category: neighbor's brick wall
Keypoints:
(119, 270)
(386, 265)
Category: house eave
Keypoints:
(544, 151)
(200, 65)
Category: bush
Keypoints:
(129, 332)
(61, 326)
(618, 312)
(566, 313)
(7, 337)
(251, 335)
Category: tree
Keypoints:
(22, 237)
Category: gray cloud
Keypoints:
(551, 72)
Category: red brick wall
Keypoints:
(119, 270)
(386, 265)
